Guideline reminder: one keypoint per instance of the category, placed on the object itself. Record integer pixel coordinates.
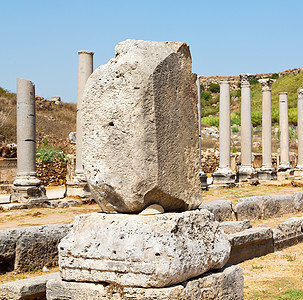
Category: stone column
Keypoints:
(246, 171)
(27, 187)
(84, 71)
(284, 134)
(224, 174)
(267, 172)
(78, 186)
(202, 175)
(299, 167)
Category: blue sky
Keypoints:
(40, 39)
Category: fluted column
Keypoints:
(224, 174)
(246, 171)
(284, 133)
(26, 185)
(267, 172)
(85, 69)
(202, 175)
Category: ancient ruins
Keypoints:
(138, 156)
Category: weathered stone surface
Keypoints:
(298, 200)
(288, 233)
(28, 289)
(227, 284)
(222, 209)
(278, 205)
(250, 243)
(140, 129)
(148, 251)
(249, 208)
(25, 248)
(258, 207)
(230, 227)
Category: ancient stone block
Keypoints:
(27, 289)
(235, 226)
(249, 208)
(222, 210)
(148, 251)
(227, 284)
(250, 243)
(140, 129)
(23, 249)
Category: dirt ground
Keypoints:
(277, 275)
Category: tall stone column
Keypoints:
(284, 134)
(202, 175)
(246, 171)
(78, 187)
(224, 174)
(299, 167)
(27, 187)
(267, 172)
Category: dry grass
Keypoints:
(54, 122)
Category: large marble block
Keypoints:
(147, 251)
(140, 129)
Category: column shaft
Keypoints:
(224, 126)
(85, 69)
(284, 134)
(246, 139)
(26, 128)
(266, 130)
(300, 128)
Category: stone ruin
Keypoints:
(140, 158)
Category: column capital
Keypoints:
(266, 83)
(86, 52)
(224, 82)
(245, 79)
(300, 93)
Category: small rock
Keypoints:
(153, 209)
(45, 269)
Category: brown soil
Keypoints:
(276, 275)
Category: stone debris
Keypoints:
(140, 129)
(148, 251)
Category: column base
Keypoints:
(286, 174)
(28, 194)
(247, 174)
(78, 188)
(284, 167)
(267, 173)
(224, 177)
(203, 180)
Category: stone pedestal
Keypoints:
(266, 172)
(284, 133)
(202, 175)
(298, 171)
(27, 187)
(224, 175)
(226, 283)
(246, 171)
(78, 187)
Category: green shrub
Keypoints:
(205, 96)
(235, 118)
(211, 121)
(202, 87)
(214, 88)
(275, 76)
(235, 129)
(46, 155)
(256, 118)
(254, 80)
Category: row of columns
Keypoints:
(224, 174)
(27, 187)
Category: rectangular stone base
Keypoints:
(28, 194)
(224, 179)
(226, 283)
(78, 190)
(267, 174)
